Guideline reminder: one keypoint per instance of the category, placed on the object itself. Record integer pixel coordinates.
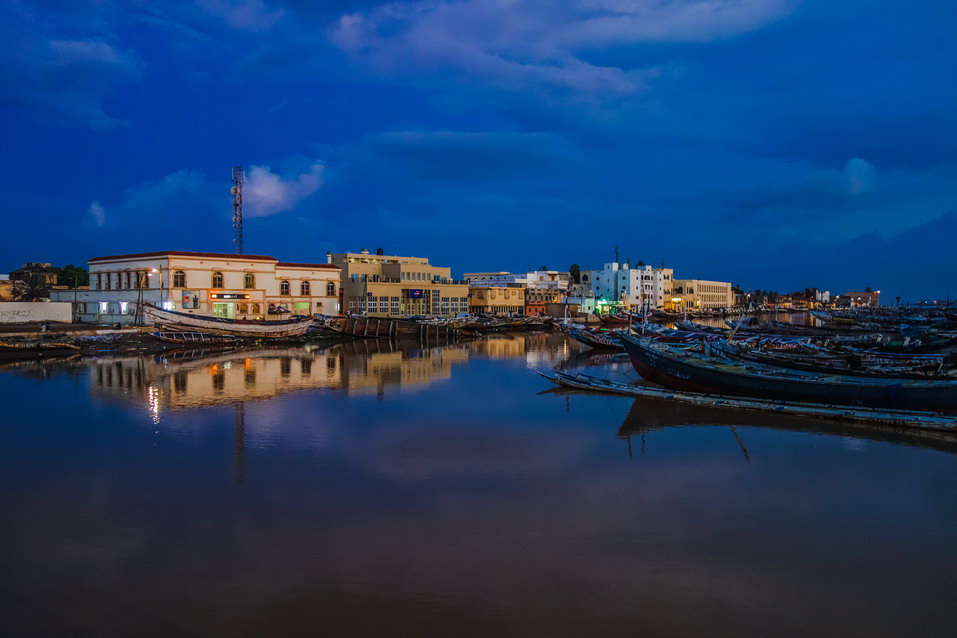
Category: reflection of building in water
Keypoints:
(373, 365)
(230, 377)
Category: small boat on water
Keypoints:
(254, 329)
(31, 349)
(194, 338)
(682, 369)
(600, 340)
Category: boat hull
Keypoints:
(673, 372)
(284, 329)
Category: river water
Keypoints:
(365, 490)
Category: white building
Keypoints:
(637, 286)
(214, 284)
(550, 279)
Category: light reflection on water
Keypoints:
(370, 489)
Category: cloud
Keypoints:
(530, 43)
(97, 214)
(245, 15)
(61, 78)
(267, 193)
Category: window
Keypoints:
(305, 289)
(179, 279)
(129, 280)
(243, 308)
(331, 289)
(283, 287)
(249, 280)
(255, 308)
(218, 280)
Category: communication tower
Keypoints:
(237, 191)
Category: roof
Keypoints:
(184, 253)
(293, 264)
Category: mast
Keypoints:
(237, 191)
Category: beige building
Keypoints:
(213, 284)
(391, 286)
(698, 294)
(497, 300)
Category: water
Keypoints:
(363, 491)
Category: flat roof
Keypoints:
(293, 264)
(184, 253)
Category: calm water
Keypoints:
(359, 491)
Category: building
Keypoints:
(35, 272)
(214, 284)
(537, 299)
(497, 300)
(698, 294)
(391, 286)
(635, 287)
(855, 299)
(546, 279)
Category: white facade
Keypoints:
(550, 279)
(638, 286)
(212, 284)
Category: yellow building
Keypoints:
(497, 300)
(698, 294)
(390, 286)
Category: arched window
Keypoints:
(249, 280)
(305, 289)
(243, 309)
(331, 289)
(255, 308)
(179, 279)
(218, 280)
(283, 287)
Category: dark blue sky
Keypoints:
(773, 143)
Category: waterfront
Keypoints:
(366, 489)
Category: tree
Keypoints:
(576, 272)
(71, 275)
(32, 288)
(736, 289)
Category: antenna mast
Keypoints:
(237, 191)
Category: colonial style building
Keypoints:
(497, 300)
(551, 279)
(214, 284)
(697, 294)
(382, 285)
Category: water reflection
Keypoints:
(191, 379)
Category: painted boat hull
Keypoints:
(282, 329)
(659, 366)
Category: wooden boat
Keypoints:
(254, 329)
(593, 338)
(681, 369)
(912, 418)
(32, 349)
(193, 338)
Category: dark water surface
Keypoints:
(358, 491)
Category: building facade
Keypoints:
(636, 287)
(391, 286)
(497, 300)
(213, 284)
(698, 294)
(550, 279)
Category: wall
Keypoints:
(20, 312)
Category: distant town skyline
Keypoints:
(775, 144)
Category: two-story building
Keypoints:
(698, 294)
(214, 284)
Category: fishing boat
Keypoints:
(32, 349)
(183, 337)
(251, 328)
(593, 338)
(681, 369)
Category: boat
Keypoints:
(251, 328)
(682, 369)
(33, 349)
(183, 337)
(593, 338)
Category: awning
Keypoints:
(278, 310)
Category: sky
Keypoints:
(776, 144)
